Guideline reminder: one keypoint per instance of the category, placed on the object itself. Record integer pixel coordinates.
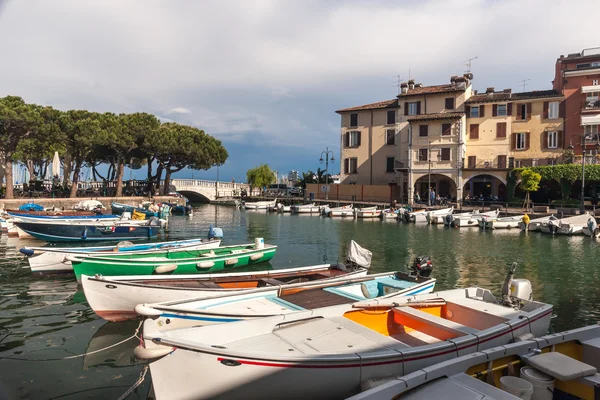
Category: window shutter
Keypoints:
(526, 140)
(472, 161)
(509, 109)
(474, 131)
(446, 154)
(561, 109)
(468, 111)
(423, 130)
(528, 110)
(502, 161)
(546, 108)
(544, 140)
(481, 111)
(494, 110)
(513, 141)
(406, 108)
(418, 107)
(346, 162)
(446, 129)
(501, 130)
(347, 139)
(559, 139)
(358, 139)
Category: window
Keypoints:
(353, 119)
(389, 164)
(523, 111)
(391, 117)
(552, 139)
(553, 109)
(474, 131)
(475, 112)
(412, 109)
(590, 130)
(390, 137)
(423, 130)
(445, 154)
(446, 129)
(502, 161)
(591, 100)
(350, 165)
(501, 110)
(423, 154)
(450, 103)
(501, 130)
(520, 141)
(352, 139)
(472, 162)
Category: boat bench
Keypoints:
(430, 324)
(369, 333)
(457, 387)
(562, 367)
(541, 209)
(273, 282)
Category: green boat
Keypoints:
(173, 262)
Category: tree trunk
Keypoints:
(120, 172)
(75, 179)
(157, 177)
(31, 169)
(167, 182)
(67, 170)
(8, 176)
(150, 186)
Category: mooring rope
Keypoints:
(136, 384)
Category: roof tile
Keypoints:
(372, 106)
(501, 96)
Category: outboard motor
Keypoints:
(422, 266)
(449, 219)
(215, 232)
(514, 290)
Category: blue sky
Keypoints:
(266, 76)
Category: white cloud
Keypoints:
(178, 110)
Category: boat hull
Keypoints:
(58, 232)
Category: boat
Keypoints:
(306, 209)
(367, 212)
(282, 209)
(115, 298)
(449, 219)
(327, 352)
(69, 230)
(164, 210)
(343, 211)
(566, 226)
(473, 220)
(259, 205)
(591, 228)
(561, 365)
(500, 223)
(534, 224)
(173, 262)
(438, 216)
(390, 214)
(424, 215)
(58, 214)
(52, 260)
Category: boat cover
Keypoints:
(358, 255)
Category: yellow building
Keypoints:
(508, 130)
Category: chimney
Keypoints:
(509, 91)
(403, 87)
(474, 92)
(411, 83)
(468, 76)
(453, 79)
(489, 90)
(419, 85)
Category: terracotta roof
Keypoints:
(449, 88)
(373, 106)
(501, 96)
(435, 116)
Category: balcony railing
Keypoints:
(486, 164)
(590, 105)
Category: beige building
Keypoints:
(507, 130)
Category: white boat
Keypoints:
(306, 209)
(390, 214)
(280, 208)
(114, 298)
(259, 205)
(438, 216)
(52, 260)
(367, 212)
(473, 220)
(566, 226)
(328, 352)
(559, 365)
(591, 229)
(416, 216)
(426, 215)
(344, 211)
(500, 223)
(535, 224)
(449, 219)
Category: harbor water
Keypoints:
(46, 320)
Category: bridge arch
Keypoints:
(194, 196)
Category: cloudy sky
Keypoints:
(266, 76)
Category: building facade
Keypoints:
(577, 77)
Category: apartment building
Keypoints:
(368, 144)
(508, 130)
(431, 137)
(577, 78)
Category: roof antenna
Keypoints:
(524, 83)
(398, 81)
(469, 62)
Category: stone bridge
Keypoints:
(200, 191)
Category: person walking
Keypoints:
(417, 198)
(432, 196)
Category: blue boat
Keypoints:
(29, 215)
(31, 207)
(88, 232)
(120, 208)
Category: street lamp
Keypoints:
(582, 144)
(327, 159)
(439, 157)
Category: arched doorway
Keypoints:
(441, 184)
(486, 187)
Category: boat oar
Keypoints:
(392, 304)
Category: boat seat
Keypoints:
(408, 314)
(209, 254)
(273, 282)
(368, 333)
(561, 367)
(591, 352)
(457, 387)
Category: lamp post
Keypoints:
(429, 148)
(327, 158)
(584, 136)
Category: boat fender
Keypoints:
(161, 269)
(84, 233)
(257, 256)
(142, 353)
(449, 218)
(26, 251)
(231, 261)
(524, 337)
(205, 264)
(145, 311)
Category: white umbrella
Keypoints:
(56, 165)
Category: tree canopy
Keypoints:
(260, 176)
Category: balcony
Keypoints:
(485, 164)
(400, 167)
(536, 162)
(590, 105)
